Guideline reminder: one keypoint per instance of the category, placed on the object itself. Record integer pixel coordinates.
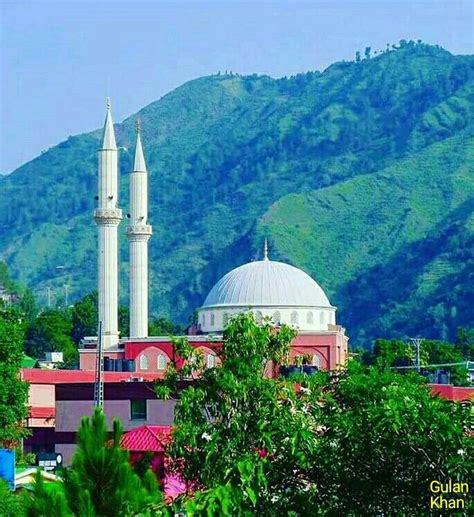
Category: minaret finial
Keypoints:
(138, 126)
(107, 103)
(265, 249)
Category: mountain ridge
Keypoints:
(221, 152)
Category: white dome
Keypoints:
(266, 283)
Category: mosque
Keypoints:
(58, 399)
(269, 288)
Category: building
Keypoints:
(271, 289)
(268, 288)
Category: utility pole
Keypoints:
(99, 371)
(66, 294)
(417, 342)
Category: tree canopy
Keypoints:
(13, 391)
(364, 439)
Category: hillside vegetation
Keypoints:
(361, 174)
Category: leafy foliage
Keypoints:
(51, 332)
(101, 478)
(13, 391)
(386, 439)
(11, 504)
(365, 440)
(396, 353)
(100, 482)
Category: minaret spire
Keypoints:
(107, 217)
(265, 249)
(138, 234)
(139, 165)
(108, 138)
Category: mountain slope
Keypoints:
(393, 247)
(221, 150)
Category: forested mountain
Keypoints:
(362, 175)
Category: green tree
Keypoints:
(234, 419)
(85, 317)
(11, 504)
(13, 391)
(124, 320)
(385, 439)
(51, 332)
(27, 305)
(367, 440)
(47, 500)
(5, 280)
(101, 480)
(465, 343)
(160, 326)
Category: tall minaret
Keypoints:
(108, 217)
(138, 234)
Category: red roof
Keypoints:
(38, 376)
(448, 391)
(152, 438)
(42, 412)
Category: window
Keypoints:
(213, 320)
(294, 318)
(309, 318)
(276, 317)
(211, 361)
(143, 362)
(203, 320)
(316, 360)
(258, 317)
(321, 317)
(225, 319)
(161, 362)
(138, 409)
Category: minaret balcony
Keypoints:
(108, 216)
(139, 230)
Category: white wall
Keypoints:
(213, 320)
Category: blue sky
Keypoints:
(59, 60)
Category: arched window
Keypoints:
(316, 360)
(143, 362)
(321, 317)
(277, 317)
(161, 362)
(213, 320)
(294, 318)
(309, 318)
(225, 319)
(211, 361)
(258, 317)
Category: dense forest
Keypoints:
(361, 174)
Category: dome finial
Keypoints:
(138, 126)
(107, 103)
(265, 249)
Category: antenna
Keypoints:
(99, 371)
(417, 342)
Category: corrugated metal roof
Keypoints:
(38, 376)
(149, 438)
